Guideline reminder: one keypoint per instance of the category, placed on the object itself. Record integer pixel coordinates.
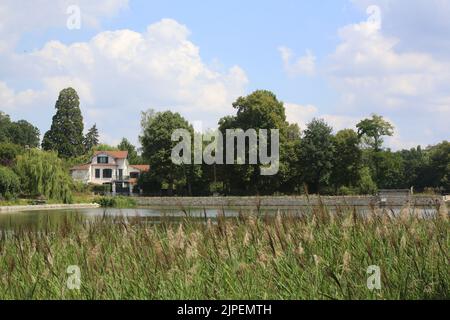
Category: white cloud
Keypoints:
(373, 73)
(305, 65)
(119, 73)
(303, 114)
(300, 114)
(20, 16)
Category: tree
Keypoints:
(8, 153)
(126, 145)
(91, 138)
(316, 154)
(42, 174)
(366, 185)
(416, 164)
(157, 147)
(391, 171)
(21, 132)
(66, 133)
(9, 183)
(372, 131)
(5, 122)
(439, 169)
(24, 133)
(347, 160)
(259, 110)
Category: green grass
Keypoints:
(313, 256)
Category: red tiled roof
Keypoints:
(141, 167)
(113, 154)
(81, 167)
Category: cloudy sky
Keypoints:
(340, 60)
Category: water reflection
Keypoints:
(44, 220)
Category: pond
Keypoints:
(38, 220)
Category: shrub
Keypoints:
(116, 202)
(9, 183)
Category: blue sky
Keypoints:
(331, 59)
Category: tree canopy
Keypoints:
(91, 138)
(66, 133)
(157, 146)
(20, 132)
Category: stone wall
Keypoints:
(281, 202)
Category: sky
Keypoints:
(340, 60)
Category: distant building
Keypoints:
(110, 168)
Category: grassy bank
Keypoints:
(316, 256)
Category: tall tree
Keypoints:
(259, 110)
(157, 147)
(66, 133)
(317, 154)
(91, 138)
(372, 131)
(126, 145)
(347, 159)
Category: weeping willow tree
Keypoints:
(42, 174)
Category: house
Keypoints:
(110, 168)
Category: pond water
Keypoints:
(38, 220)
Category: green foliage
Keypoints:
(347, 159)
(42, 174)
(105, 147)
(100, 189)
(91, 138)
(116, 202)
(9, 183)
(261, 110)
(157, 146)
(8, 153)
(66, 133)
(391, 170)
(366, 183)
(21, 132)
(317, 155)
(372, 131)
(133, 157)
(439, 169)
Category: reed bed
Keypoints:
(314, 255)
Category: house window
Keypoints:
(107, 173)
(97, 173)
(134, 175)
(103, 160)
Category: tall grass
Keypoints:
(315, 255)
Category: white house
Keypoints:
(110, 168)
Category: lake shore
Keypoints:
(254, 203)
(7, 209)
